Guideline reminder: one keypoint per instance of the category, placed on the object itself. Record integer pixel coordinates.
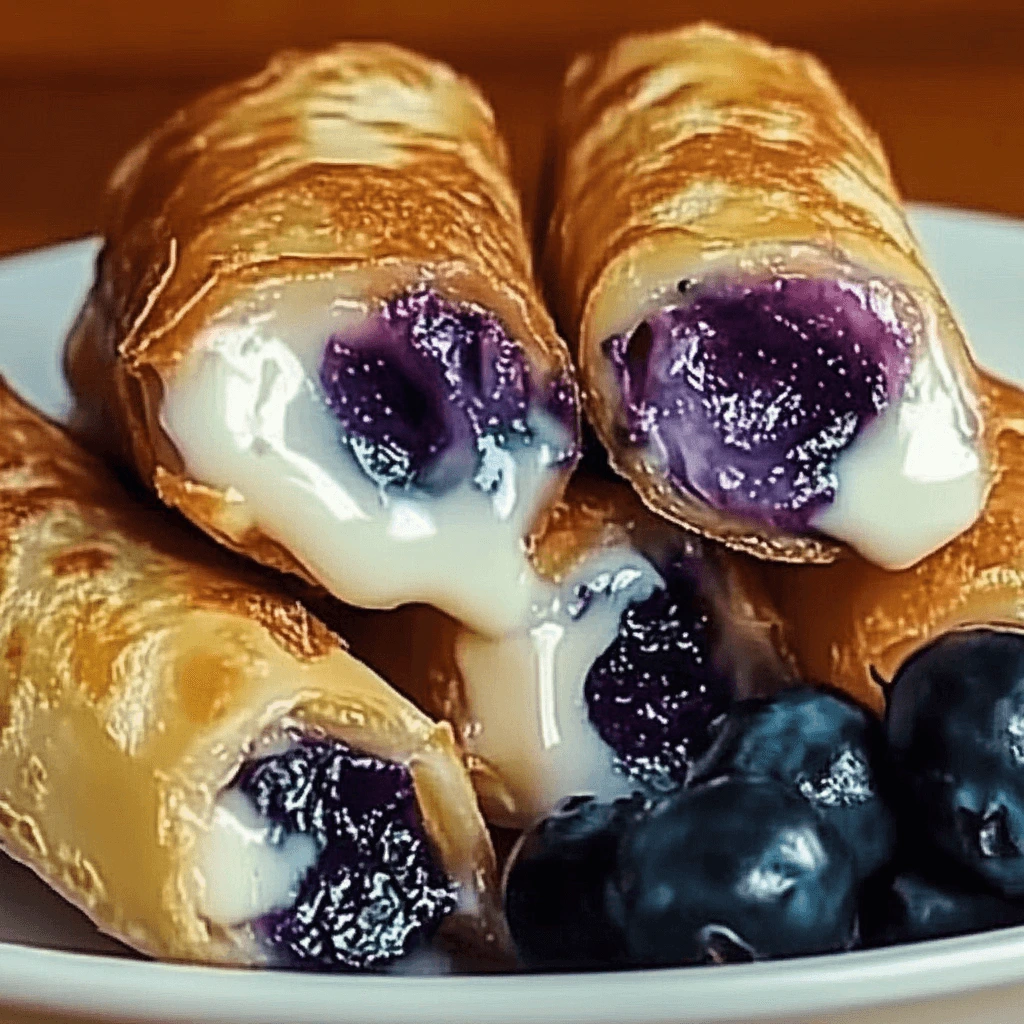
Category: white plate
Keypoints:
(53, 961)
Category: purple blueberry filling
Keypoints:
(654, 692)
(752, 390)
(376, 892)
(429, 393)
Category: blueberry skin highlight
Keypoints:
(560, 900)
(735, 870)
(821, 746)
(913, 908)
(955, 726)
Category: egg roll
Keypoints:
(855, 625)
(761, 345)
(642, 636)
(196, 762)
(314, 330)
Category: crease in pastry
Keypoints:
(762, 347)
(314, 330)
(641, 636)
(198, 763)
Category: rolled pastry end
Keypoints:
(614, 682)
(319, 853)
(392, 446)
(799, 405)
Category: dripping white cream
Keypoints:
(526, 713)
(246, 412)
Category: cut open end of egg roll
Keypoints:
(762, 348)
(315, 327)
(640, 636)
(198, 763)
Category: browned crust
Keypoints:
(853, 625)
(43, 472)
(780, 158)
(138, 664)
(243, 187)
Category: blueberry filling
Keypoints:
(653, 693)
(750, 391)
(376, 892)
(430, 393)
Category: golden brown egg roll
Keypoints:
(315, 331)
(854, 625)
(762, 347)
(641, 636)
(195, 761)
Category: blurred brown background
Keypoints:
(943, 80)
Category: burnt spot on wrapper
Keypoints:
(87, 560)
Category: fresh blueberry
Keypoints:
(559, 898)
(654, 692)
(821, 746)
(955, 725)
(735, 870)
(430, 393)
(376, 892)
(913, 908)
(750, 391)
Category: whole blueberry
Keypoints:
(913, 908)
(821, 746)
(956, 737)
(735, 870)
(559, 896)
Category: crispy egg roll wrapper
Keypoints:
(255, 245)
(642, 636)
(853, 625)
(140, 667)
(727, 240)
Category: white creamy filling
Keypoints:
(243, 872)
(247, 414)
(526, 712)
(914, 479)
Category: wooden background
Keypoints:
(943, 80)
